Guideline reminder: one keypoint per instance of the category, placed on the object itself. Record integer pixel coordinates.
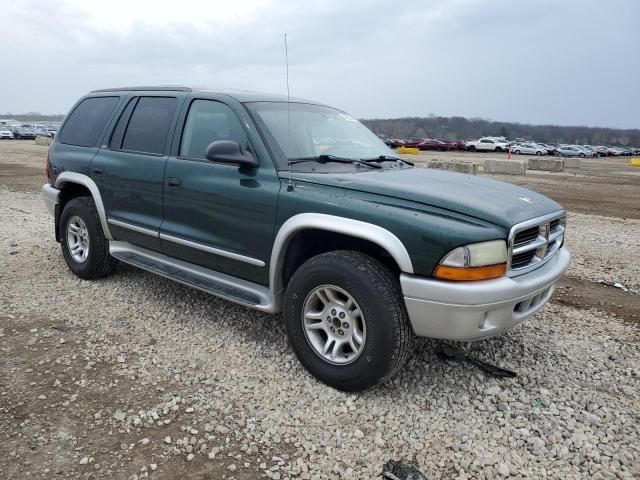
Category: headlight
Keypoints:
(478, 261)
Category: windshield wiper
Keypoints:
(332, 158)
(385, 158)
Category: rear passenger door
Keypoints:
(219, 216)
(129, 169)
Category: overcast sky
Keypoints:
(568, 62)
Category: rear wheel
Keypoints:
(498, 149)
(84, 246)
(538, 152)
(517, 152)
(346, 320)
(472, 148)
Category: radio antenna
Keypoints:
(286, 61)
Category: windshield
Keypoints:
(303, 131)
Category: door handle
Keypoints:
(98, 170)
(173, 182)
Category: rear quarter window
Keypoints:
(87, 120)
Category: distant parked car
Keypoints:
(613, 151)
(455, 144)
(591, 150)
(551, 149)
(5, 133)
(432, 144)
(24, 133)
(586, 151)
(413, 143)
(528, 149)
(487, 144)
(626, 151)
(602, 150)
(569, 151)
(41, 132)
(52, 130)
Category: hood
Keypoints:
(500, 203)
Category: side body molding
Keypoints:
(73, 177)
(331, 223)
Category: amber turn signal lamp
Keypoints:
(460, 274)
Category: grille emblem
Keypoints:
(543, 231)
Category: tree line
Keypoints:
(461, 128)
(34, 116)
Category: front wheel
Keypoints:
(582, 155)
(517, 152)
(472, 148)
(538, 153)
(498, 149)
(346, 320)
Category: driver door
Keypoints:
(218, 216)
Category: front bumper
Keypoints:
(51, 196)
(474, 310)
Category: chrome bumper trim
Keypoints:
(474, 310)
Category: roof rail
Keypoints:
(171, 88)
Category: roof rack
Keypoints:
(172, 88)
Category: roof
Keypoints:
(240, 95)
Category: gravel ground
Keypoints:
(136, 376)
(605, 249)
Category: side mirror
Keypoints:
(227, 151)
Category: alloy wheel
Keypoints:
(334, 325)
(78, 239)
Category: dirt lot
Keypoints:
(135, 376)
(589, 189)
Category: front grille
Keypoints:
(533, 242)
(526, 236)
(522, 259)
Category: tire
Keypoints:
(81, 212)
(387, 338)
(517, 152)
(538, 153)
(498, 149)
(472, 148)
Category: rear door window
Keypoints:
(207, 122)
(149, 125)
(87, 120)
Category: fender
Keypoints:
(73, 177)
(355, 228)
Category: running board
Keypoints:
(219, 284)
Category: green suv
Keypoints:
(295, 207)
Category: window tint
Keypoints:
(209, 121)
(87, 120)
(149, 125)
(118, 132)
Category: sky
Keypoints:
(565, 62)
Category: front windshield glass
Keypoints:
(302, 131)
